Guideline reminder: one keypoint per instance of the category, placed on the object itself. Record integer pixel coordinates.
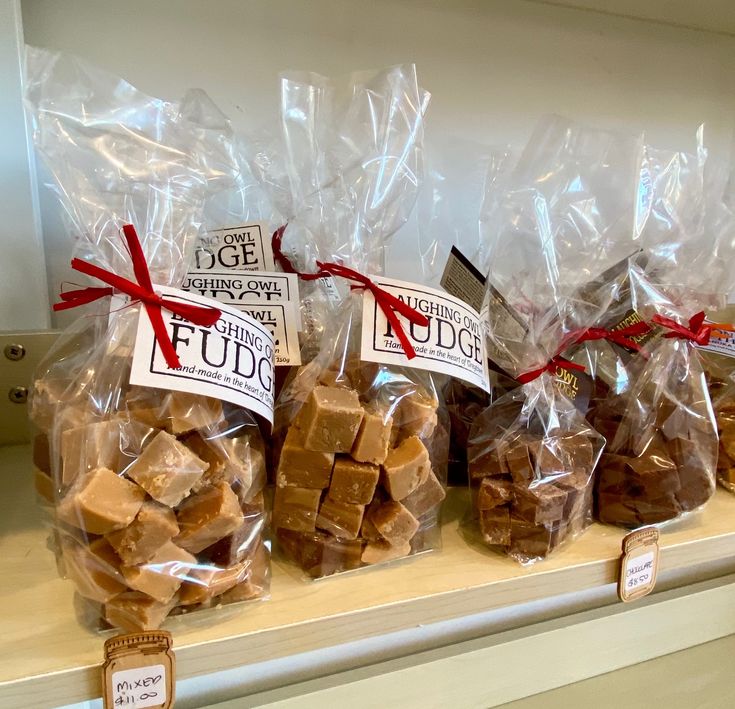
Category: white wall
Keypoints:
(493, 66)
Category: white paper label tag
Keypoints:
(140, 687)
(232, 360)
(639, 565)
(722, 342)
(453, 343)
(229, 287)
(242, 248)
(639, 571)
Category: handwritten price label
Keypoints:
(639, 565)
(140, 687)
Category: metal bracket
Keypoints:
(20, 354)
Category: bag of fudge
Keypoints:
(361, 468)
(662, 450)
(564, 217)
(154, 462)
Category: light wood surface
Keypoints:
(47, 659)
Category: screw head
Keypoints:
(15, 351)
(18, 395)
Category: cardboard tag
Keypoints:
(462, 280)
(139, 671)
(233, 360)
(639, 565)
(453, 343)
(243, 248)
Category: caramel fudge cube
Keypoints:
(83, 448)
(167, 469)
(379, 552)
(100, 502)
(94, 569)
(406, 467)
(187, 412)
(493, 492)
(495, 526)
(207, 517)
(207, 582)
(161, 576)
(426, 497)
(539, 504)
(295, 508)
(340, 519)
(255, 583)
(353, 482)
(320, 554)
(373, 438)
(416, 415)
(154, 525)
(368, 530)
(299, 467)
(394, 522)
(232, 549)
(134, 612)
(331, 419)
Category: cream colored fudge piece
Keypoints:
(394, 522)
(426, 497)
(207, 517)
(331, 419)
(299, 467)
(189, 412)
(100, 502)
(162, 575)
(373, 438)
(406, 467)
(340, 518)
(209, 581)
(380, 551)
(154, 525)
(295, 508)
(94, 568)
(167, 469)
(134, 611)
(353, 482)
(416, 415)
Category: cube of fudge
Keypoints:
(518, 460)
(162, 575)
(617, 509)
(495, 526)
(530, 541)
(373, 438)
(331, 419)
(44, 486)
(94, 568)
(406, 467)
(207, 517)
(299, 467)
(394, 522)
(154, 525)
(41, 453)
(489, 462)
(167, 469)
(295, 508)
(426, 497)
(94, 445)
(188, 412)
(539, 504)
(207, 582)
(415, 415)
(233, 549)
(655, 473)
(493, 492)
(379, 552)
(134, 611)
(353, 482)
(321, 554)
(100, 502)
(341, 519)
(660, 509)
(255, 583)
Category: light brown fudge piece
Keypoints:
(94, 445)
(94, 569)
(380, 551)
(255, 583)
(207, 517)
(167, 469)
(100, 502)
(373, 438)
(295, 508)
(394, 522)
(205, 583)
(416, 415)
(340, 519)
(426, 497)
(406, 467)
(232, 549)
(161, 576)
(299, 467)
(154, 525)
(331, 419)
(134, 611)
(177, 412)
(353, 482)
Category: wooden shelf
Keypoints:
(48, 658)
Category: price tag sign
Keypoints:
(139, 671)
(639, 565)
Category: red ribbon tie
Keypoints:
(698, 331)
(550, 366)
(142, 291)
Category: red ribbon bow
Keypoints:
(698, 331)
(550, 366)
(388, 303)
(141, 291)
(620, 337)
